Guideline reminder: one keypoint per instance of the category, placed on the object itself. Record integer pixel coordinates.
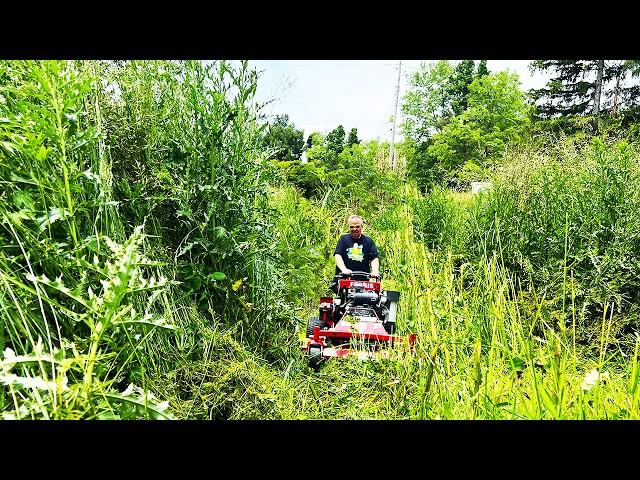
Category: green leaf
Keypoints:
(16, 178)
(155, 411)
(36, 383)
(550, 402)
(23, 198)
(108, 416)
(152, 320)
(517, 364)
(9, 147)
(216, 276)
(220, 232)
(42, 153)
(55, 214)
(195, 283)
(186, 248)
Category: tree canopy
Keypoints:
(353, 137)
(335, 139)
(460, 115)
(426, 106)
(283, 139)
(497, 113)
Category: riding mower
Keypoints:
(361, 319)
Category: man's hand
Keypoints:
(347, 271)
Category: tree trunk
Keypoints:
(596, 96)
(614, 110)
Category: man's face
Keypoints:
(355, 228)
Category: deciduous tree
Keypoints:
(285, 141)
(426, 107)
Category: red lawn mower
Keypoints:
(361, 315)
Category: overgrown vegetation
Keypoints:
(162, 248)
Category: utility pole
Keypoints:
(392, 160)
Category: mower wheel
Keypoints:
(311, 324)
(315, 357)
(390, 327)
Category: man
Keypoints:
(356, 251)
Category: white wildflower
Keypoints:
(590, 380)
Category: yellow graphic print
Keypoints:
(355, 253)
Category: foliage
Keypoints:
(567, 213)
(426, 106)
(335, 139)
(497, 115)
(109, 167)
(283, 139)
(482, 69)
(571, 90)
(310, 178)
(458, 85)
(437, 219)
(314, 138)
(305, 244)
(455, 118)
(205, 185)
(79, 299)
(352, 139)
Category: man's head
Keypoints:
(355, 226)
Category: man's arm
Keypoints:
(340, 264)
(375, 267)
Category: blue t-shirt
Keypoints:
(357, 254)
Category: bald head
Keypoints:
(355, 226)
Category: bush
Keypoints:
(438, 220)
(583, 207)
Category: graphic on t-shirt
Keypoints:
(355, 253)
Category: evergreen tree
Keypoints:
(335, 139)
(627, 98)
(353, 137)
(597, 94)
(482, 69)
(574, 90)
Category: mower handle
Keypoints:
(355, 272)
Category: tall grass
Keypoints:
(90, 152)
(76, 293)
(490, 346)
(147, 257)
(567, 210)
(184, 138)
(487, 349)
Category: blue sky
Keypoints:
(319, 95)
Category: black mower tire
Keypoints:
(390, 327)
(311, 324)
(315, 357)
